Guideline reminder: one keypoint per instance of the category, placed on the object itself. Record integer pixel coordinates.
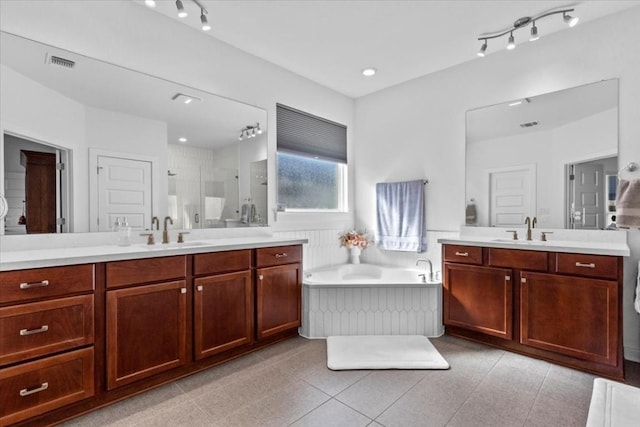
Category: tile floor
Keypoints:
(289, 384)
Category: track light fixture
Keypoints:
(181, 12)
(250, 131)
(203, 19)
(523, 22)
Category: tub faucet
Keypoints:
(165, 232)
(428, 261)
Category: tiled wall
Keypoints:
(324, 249)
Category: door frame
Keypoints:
(94, 153)
(64, 177)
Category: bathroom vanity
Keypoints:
(555, 300)
(82, 331)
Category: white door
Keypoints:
(512, 196)
(588, 195)
(124, 190)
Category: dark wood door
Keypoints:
(278, 298)
(146, 331)
(223, 313)
(570, 315)
(40, 191)
(479, 298)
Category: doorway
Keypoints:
(586, 193)
(36, 179)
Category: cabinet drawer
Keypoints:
(40, 328)
(25, 285)
(267, 257)
(221, 262)
(518, 259)
(123, 273)
(33, 388)
(463, 254)
(601, 266)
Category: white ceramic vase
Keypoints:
(354, 255)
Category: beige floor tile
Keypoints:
(186, 414)
(223, 373)
(560, 403)
(332, 413)
(377, 391)
(278, 408)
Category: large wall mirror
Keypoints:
(132, 145)
(552, 156)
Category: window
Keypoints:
(312, 157)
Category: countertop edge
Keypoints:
(566, 247)
(128, 254)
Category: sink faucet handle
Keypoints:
(181, 236)
(150, 239)
(543, 235)
(515, 234)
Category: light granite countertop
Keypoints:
(596, 242)
(49, 257)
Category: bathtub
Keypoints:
(367, 299)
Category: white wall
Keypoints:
(389, 146)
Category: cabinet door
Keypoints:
(146, 330)
(223, 313)
(570, 315)
(479, 299)
(278, 298)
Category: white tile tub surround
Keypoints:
(383, 306)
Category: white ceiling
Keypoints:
(331, 41)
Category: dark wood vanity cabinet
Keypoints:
(46, 340)
(78, 337)
(223, 302)
(561, 307)
(278, 290)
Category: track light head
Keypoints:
(483, 49)
(203, 19)
(181, 12)
(571, 20)
(512, 43)
(534, 33)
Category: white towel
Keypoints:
(628, 203)
(401, 216)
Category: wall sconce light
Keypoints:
(522, 23)
(250, 131)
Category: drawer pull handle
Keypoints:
(25, 332)
(590, 265)
(261, 277)
(183, 290)
(199, 288)
(26, 392)
(282, 255)
(507, 277)
(462, 253)
(34, 285)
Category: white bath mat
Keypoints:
(383, 352)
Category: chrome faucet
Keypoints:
(165, 232)
(428, 261)
(155, 221)
(530, 224)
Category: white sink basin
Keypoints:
(167, 246)
(519, 242)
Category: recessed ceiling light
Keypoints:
(150, 3)
(368, 72)
(182, 139)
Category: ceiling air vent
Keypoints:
(529, 124)
(62, 62)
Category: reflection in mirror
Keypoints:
(130, 128)
(544, 156)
